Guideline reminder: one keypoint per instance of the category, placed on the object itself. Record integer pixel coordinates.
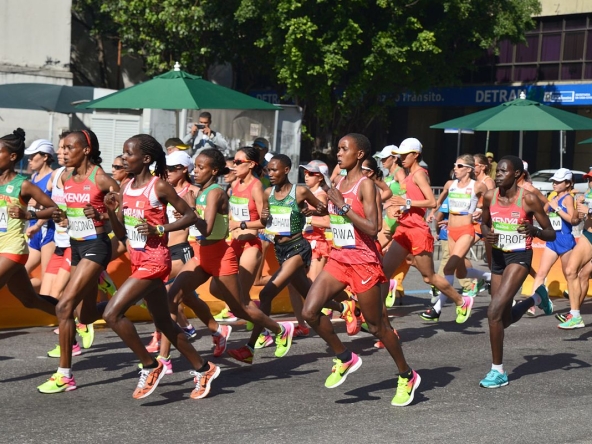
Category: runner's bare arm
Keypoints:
(533, 204)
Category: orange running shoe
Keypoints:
(203, 380)
(154, 346)
(149, 380)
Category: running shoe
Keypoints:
(56, 331)
(243, 354)
(464, 311)
(406, 389)
(166, 363)
(154, 346)
(352, 322)
(341, 370)
(562, 317)
(494, 379)
(327, 312)
(149, 380)
(531, 311)
(283, 342)
(477, 287)
(566, 294)
(264, 340)
(392, 293)
(87, 334)
(55, 353)
(225, 316)
(301, 330)
(106, 284)
(467, 291)
(572, 323)
(203, 381)
(378, 344)
(58, 383)
(190, 331)
(546, 305)
(430, 315)
(221, 340)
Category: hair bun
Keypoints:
(20, 133)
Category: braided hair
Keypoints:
(151, 147)
(217, 160)
(90, 140)
(15, 143)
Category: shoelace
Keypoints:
(197, 378)
(143, 377)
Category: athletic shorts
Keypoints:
(455, 233)
(320, 248)
(217, 259)
(96, 250)
(61, 259)
(43, 237)
(243, 244)
(501, 259)
(18, 258)
(359, 277)
(181, 252)
(286, 250)
(562, 243)
(477, 226)
(151, 264)
(415, 240)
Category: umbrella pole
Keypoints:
(487, 142)
(458, 145)
(520, 144)
(275, 145)
(50, 127)
(181, 122)
(561, 146)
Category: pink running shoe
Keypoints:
(167, 364)
(353, 323)
(154, 346)
(220, 340)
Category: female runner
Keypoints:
(142, 217)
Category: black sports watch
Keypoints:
(345, 209)
(243, 225)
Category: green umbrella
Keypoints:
(44, 97)
(519, 115)
(585, 141)
(176, 90)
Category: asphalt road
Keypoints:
(284, 400)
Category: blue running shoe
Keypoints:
(494, 379)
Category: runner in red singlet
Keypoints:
(140, 213)
(355, 262)
(507, 225)
(413, 234)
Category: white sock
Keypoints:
(575, 313)
(450, 278)
(499, 368)
(440, 302)
(67, 372)
(537, 299)
(218, 332)
(473, 273)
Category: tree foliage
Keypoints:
(342, 61)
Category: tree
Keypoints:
(343, 61)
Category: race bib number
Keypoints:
(3, 216)
(80, 226)
(556, 221)
(459, 203)
(343, 231)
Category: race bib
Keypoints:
(343, 231)
(278, 223)
(459, 203)
(239, 209)
(80, 226)
(137, 241)
(3, 216)
(308, 228)
(509, 238)
(59, 229)
(556, 221)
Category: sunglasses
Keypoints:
(117, 167)
(173, 168)
(462, 165)
(367, 169)
(238, 162)
(310, 173)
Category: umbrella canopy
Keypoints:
(175, 90)
(519, 115)
(585, 141)
(44, 97)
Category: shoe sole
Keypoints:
(145, 395)
(494, 386)
(352, 369)
(208, 385)
(69, 389)
(429, 319)
(575, 327)
(412, 395)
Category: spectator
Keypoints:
(202, 137)
(492, 164)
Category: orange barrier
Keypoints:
(14, 315)
(555, 279)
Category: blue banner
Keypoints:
(574, 94)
